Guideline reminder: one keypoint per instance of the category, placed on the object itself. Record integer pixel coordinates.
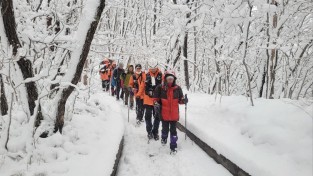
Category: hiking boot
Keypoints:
(156, 137)
(150, 136)
(163, 141)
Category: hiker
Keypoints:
(105, 74)
(135, 82)
(168, 96)
(116, 81)
(128, 93)
(112, 68)
(154, 78)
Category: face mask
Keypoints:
(169, 84)
(138, 72)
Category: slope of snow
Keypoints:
(88, 145)
(142, 159)
(274, 138)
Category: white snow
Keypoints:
(142, 159)
(88, 145)
(273, 138)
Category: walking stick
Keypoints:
(186, 118)
(128, 103)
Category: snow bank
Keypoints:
(88, 145)
(274, 138)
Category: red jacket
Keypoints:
(170, 98)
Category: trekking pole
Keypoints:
(128, 104)
(186, 118)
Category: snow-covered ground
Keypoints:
(273, 138)
(88, 145)
(142, 159)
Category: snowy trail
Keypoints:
(142, 159)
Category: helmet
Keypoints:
(170, 73)
(152, 63)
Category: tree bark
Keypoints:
(78, 70)
(245, 55)
(24, 64)
(4, 103)
(273, 61)
(185, 54)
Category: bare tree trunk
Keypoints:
(185, 54)
(273, 61)
(3, 99)
(85, 77)
(78, 70)
(9, 125)
(245, 55)
(24, 64)
(154, 17)
(263, 82)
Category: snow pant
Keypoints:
(106, 85)
(112, 90)
(128, 95)
(118, 92)
(154, 129)
(170, 126)
(139, 108)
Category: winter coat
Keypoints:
(169, 98)
(137, 82)
(116, 78)
(151, 82)
(105, 73)
(126, 79)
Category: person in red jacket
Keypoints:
(168, 96)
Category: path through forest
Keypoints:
(142, 159)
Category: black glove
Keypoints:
(185, 100)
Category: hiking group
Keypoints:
(156, 95)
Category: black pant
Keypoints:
(117, 92)
(105, 85)
(112, 90)
(170, 126)
(154, 129)
(139, 108)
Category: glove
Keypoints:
(150, 94)
(157, 108)
(186, 100)
(135, 90)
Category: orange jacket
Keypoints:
(137, 86)
(149, 100)
(105, 73)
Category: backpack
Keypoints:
(136, 85)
